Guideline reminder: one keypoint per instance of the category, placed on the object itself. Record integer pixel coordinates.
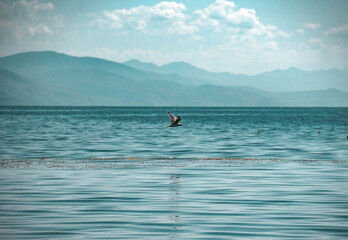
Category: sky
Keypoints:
(240, 36)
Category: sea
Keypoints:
(121, 173)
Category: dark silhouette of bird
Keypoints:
(174, 121)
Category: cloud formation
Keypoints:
(218, 35)
(145, 19)
(217, 32)
(23, 18)
(316, 42)
(300, 32)
(341, 31)
(31, 6)
(312, 26)
(222, 15)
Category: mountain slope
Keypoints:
(145, 66)
(91, 87)
(192, 72)
(17, 90)
(287, 80)
(294, 79)
(48, 78)
(318, 98)
(32, 64)
(98, 87)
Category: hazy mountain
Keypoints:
(17, 90)
(98, 87)
(287, 80)
(323, 98)
(192, 72)
(32, 64)
(223, 78)
(294, 79)
(48, 78)
(145, 66)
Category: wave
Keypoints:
(70, 163)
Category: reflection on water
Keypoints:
(175, 199)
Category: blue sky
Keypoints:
(218, 35)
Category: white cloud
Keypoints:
(222, 12)
(33, 5)
(312, 26)
(40, 29)
(283, 34)
(167, 15)
(5, 24)
(300, 32)
(182, 29)
(168, 10)
(23, 19)
(214, 13)
(243, 35)
(273, 45)
(223, 37)
(315, 42)
(338, 31)
(222, 15)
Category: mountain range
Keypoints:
(287, 80)
(51, 78)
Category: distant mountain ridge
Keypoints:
(292, 79)
(35, 63)
(50, 78)
(189, 71)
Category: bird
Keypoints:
(174, 121)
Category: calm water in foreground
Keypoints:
(108, 173)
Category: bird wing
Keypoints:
(172, 118)
(177, 119)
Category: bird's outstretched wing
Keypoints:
(178, 118)
(172, 118)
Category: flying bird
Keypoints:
(174, 121)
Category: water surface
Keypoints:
(95, 132)
(119, 173)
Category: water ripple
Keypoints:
(201, 198)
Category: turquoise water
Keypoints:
(119, 173)
(84, 133)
